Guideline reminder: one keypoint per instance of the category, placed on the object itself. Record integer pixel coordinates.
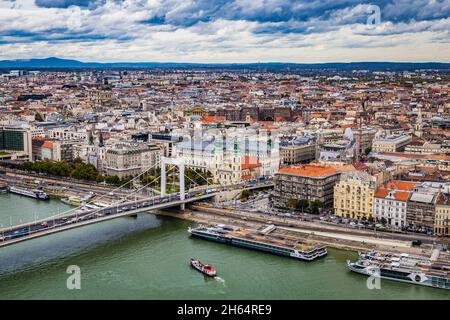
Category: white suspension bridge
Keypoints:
(145, 197)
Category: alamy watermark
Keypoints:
(374, 18)
(374, 281)
(74, 280)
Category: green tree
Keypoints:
(316, 205)
(245, 195)
(367, 150)
(114, 180)
(302, 205)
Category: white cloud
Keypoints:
(115, 31)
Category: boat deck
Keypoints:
(274, 238)
(405, 262)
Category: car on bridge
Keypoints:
(73, 220)
(19, 233)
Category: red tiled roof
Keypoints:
(381, 193)
(401, 195)
(402, 189)
(211, 119)
(48, 144)
(398, 195)
(250, 162)
(360, 166)
(401, 185)
(309, 171)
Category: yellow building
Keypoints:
(353, 195)
(442, 217)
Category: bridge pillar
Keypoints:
(180, 164)
(181, 179)
(163, 178)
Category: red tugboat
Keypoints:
(206, 269)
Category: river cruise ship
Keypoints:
(404, 268)
(35, 193)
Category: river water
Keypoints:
(147, 258)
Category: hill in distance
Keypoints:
(57, 63)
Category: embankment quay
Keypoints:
(59, 187)
(330, 235)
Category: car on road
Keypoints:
(73, 220)
(44, 224)
(19, 233)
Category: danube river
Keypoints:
(147, 258)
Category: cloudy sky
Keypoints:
(226, 30)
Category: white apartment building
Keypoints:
(391, 205)
(391, 143)
(37, 132)
(124, 160)
(67, 134)
(391, 202)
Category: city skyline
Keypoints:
(226, 31)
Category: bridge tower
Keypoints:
(180, 164)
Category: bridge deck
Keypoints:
(77, 218)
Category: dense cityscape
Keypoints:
(383, 136)
(354, 160)
(240, 159)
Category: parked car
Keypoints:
(416, 242)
